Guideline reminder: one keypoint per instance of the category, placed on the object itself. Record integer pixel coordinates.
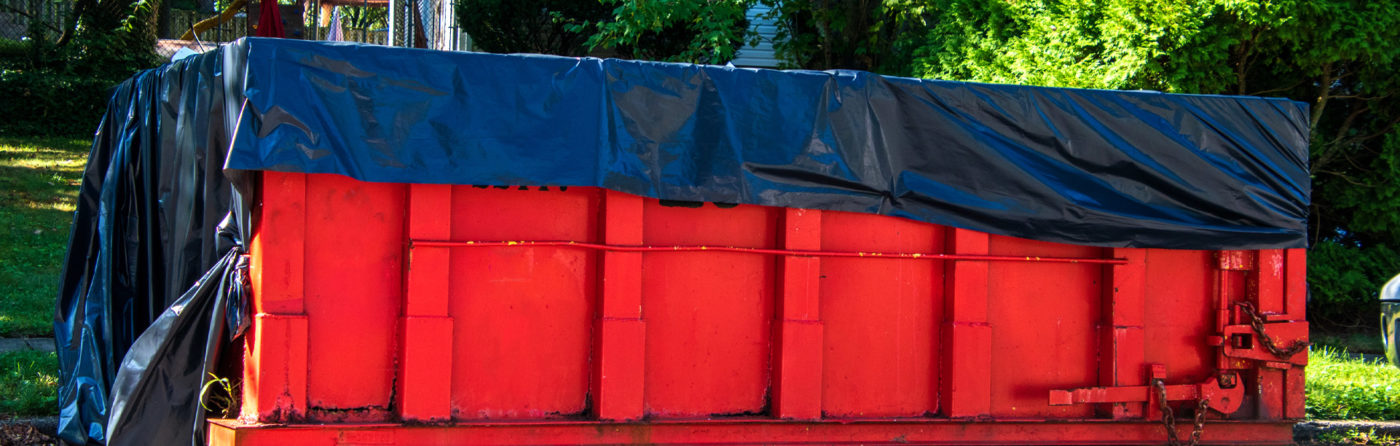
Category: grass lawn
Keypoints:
(29, 383)
(1341, 387)
(39, 179)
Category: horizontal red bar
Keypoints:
(765, 251)
(230, 432)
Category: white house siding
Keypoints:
(760, 55)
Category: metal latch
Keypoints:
(1279, 345)
(1224, 392)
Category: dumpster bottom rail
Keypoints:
(766, 431)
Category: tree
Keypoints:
(529, 26)
(695, 31)
(1338, 56)
(872, 35)
(698, 31)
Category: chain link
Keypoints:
(1256, 322)
(1169, 418)
(1201, 408)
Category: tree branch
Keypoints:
(1323, 88)
(1275, 90)
(1346, 123)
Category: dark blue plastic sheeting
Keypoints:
(154, 280)
(1107, 168)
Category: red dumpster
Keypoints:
(381, 239)
(436, 314)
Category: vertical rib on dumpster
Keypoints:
(797, 365)
(619, 355)
(424, 383)
(275, 350)
(1295, 297)
(1122, 341)
(966, 389)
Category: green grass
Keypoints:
(1368, 437)
(29, 383)
(1342, 388)
(39, 179)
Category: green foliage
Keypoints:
(873, 35)
(1344, 281)
(1342, 388)
(1355, 437)
(220, 397)
(696, 31)
(529, 26)
(29, 383)
(1355, 341)
(39, 180)
(42, 102)
(1338, 56)
(63, 90)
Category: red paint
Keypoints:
(741, 432)
(589, 316)
(781, 252)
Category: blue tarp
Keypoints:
(180, 144)
(1107, 168)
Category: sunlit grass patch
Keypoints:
(1340, 387)
(39, 182)
(29, 383)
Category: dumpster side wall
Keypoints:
(399, 303)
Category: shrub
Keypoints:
(1344, 281)
(43, 102)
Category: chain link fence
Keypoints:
(200, 25)
(22, 20)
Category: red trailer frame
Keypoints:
(438, 314)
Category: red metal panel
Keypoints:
(1180, 298)
(739, 432)
(1295, 283)
(424, 380)
(1266, 289)
(1043, 318)
(275, 369)
(522, 317)
(881, 318)
(1121, 343)
(708, 314)
(1268, 282)
(278, 245)
(354, 250)
(429, 218)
